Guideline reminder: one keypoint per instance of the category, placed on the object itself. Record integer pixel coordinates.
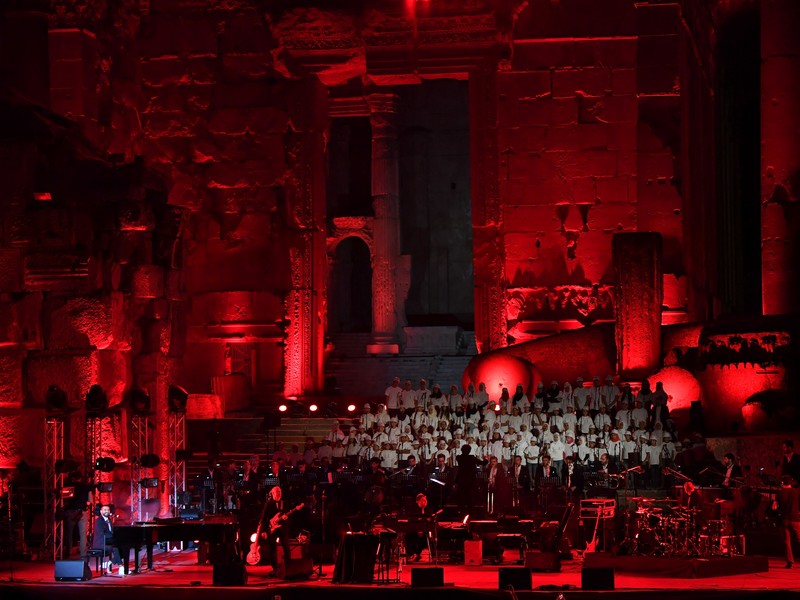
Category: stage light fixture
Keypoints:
(96, 400)
(140, 401)
(149, 482)
(313, 408)
(150, 461)
(105, 487)
(177, 397)
(283, 408)
(65, 465)
(104, 464)
(351, 408)
(55, 400)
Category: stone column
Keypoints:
(780, 154)
(386, 205)
(639, 297)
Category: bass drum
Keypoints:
(648, 542)
(374, 495)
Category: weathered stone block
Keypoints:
(79, 323)
(592, 81)
(530, 219)
(523, 139)
(623, 81)
(204, 406)
(21, 437)
(74, 373)
(547, 111)
(543, 54)
(577, 136)
(522, 84)
(12, 393)
(10, 270)
(584, 163)
(605, 53)
(147, 281)
(613, 189)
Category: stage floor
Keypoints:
(177, 576)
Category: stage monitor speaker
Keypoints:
(295, 568)
(72, 570)
(518, 578)
(229, 574)
(427, 577)
(543, 561)
(597, 578)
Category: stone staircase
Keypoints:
(357, 374)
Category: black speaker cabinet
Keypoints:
(427, 576)
(519, 578)
(72, 570)
(295, 568)
(229, 574)
(543, 561)
(597, 578)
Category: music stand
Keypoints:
(545, 485)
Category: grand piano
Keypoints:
(220, 533)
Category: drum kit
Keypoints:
(660, 528)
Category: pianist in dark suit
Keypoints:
(102, 540)
(417, 541)
(273, 528)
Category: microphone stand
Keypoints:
(10, 538)
(322, 549)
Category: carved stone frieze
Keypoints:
(585, 304)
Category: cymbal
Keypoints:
(640, 499)
(648, 511)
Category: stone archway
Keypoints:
(350, 287)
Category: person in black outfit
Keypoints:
(77, 511)
(465, 477)
(573, 477)
(497, 486)
(417, 541)
(210, 485)
(102, 540)
(518, 480)
(790, 463)
(274, 529)
(692, 497)
(415, 476)
(788, 503)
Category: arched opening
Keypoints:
(350, 288)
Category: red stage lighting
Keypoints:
(283, 408)
(351, 408)
(313, 408)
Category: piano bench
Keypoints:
(99, 556)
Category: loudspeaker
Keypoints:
(597, 578)
(542, 561)
(233, 573)
(72, 570)
(427, 576)
(295, 568)
(473, 552)
(519, 578)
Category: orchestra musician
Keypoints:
(102, 540)
(273, 527)
(573, 477)
(417, 541)
(692, 496)
(519, 480)
(496, 485)
(732, 475)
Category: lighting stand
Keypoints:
(176, 469)
(53, 482)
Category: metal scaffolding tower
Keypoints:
(93, 443)
(140, 444)
(176, 464)
(53, 482)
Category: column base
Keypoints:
(383, 348)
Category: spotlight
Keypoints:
(105, 487)
(55, 399)
(150, 461)
(104, 464)
(283, 408)
(313, 408)
(96, 400)
(149, 482)
(177, 397)
(351, 408)
(140, 401)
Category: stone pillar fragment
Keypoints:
(780, 154)
(639, 297)
(386, 205)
